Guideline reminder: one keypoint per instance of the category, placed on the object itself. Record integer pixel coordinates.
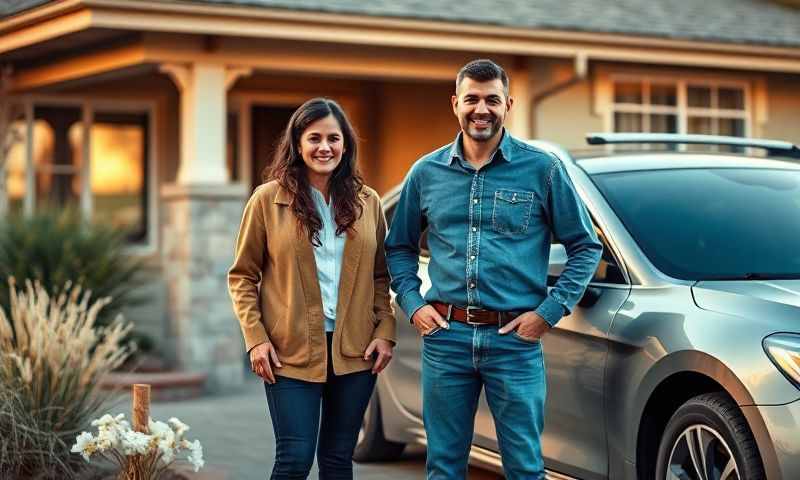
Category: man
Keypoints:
(490, 203)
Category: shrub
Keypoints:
(51, 359)
(54, 248)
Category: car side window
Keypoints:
(608, 270)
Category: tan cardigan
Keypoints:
(275, 291)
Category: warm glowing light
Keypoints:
(117, 159)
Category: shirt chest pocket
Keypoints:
(512, 211)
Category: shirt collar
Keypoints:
(503, 149)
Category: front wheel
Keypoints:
(372, 446)
(708, 439)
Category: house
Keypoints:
(159, 116)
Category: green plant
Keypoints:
(51, 359)
(54, 248)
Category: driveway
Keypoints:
(238, 443)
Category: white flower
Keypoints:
(108, 421)
(179, 427)
(196, 455)
(158, 429)
(115, 433)
(135, 442)
(85, 444)
(165, 438)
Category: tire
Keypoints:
(372, 446)
(713, 422)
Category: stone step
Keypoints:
(164, 386)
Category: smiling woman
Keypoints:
(311, 291)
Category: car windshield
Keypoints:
(712, 223)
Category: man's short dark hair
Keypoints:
(483, 70)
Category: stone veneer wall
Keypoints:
(198, 237)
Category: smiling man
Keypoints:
(491, 203)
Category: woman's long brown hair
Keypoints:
(289, 170)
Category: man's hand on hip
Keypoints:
(427, 319)
(529, 325)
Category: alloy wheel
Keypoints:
(700, 453)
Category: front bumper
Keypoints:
(779, 441)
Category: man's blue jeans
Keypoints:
(456, 363)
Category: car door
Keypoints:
(574, 438)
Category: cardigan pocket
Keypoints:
(290, 338)
(356, 338)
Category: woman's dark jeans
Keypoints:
(295, 405)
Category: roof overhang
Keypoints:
(54, 20)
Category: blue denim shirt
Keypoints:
(489, 232)
(328, 256)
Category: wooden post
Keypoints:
(141, 408)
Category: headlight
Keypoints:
(784, 351)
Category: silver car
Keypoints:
(682, 360)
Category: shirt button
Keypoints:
(472, 285)
(474, 229)
(472, 257)
(474, 200)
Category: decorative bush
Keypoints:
(54, 248)
(52, 356)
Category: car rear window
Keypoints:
(711, 223)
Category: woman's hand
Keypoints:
(262, 359)
(384, 349)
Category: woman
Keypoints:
(311, 291)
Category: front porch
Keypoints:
(168, 143)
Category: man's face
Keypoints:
(481, 108)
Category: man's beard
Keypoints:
(484, 134)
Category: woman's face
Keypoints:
(322, 145)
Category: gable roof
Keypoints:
(755, 22)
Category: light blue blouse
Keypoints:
(328, 256)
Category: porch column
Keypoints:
(519, 121)
(201, 213)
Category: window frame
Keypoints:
(681, 110)
(88, 107)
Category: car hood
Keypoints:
(751, 298)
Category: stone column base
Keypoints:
(198, 240)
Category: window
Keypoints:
(57, 160)
(15, 168)
(118, 172)
(654, 105)
(109, 183)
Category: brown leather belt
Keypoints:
(474, 316)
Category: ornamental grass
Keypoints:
(52, 356)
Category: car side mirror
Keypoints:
(590, 297)
(558, 259)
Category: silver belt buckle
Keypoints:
(469, 315)
(449, 311)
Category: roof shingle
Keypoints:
(759, 22)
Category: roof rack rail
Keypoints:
(776, 148)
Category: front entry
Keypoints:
(268, 124)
